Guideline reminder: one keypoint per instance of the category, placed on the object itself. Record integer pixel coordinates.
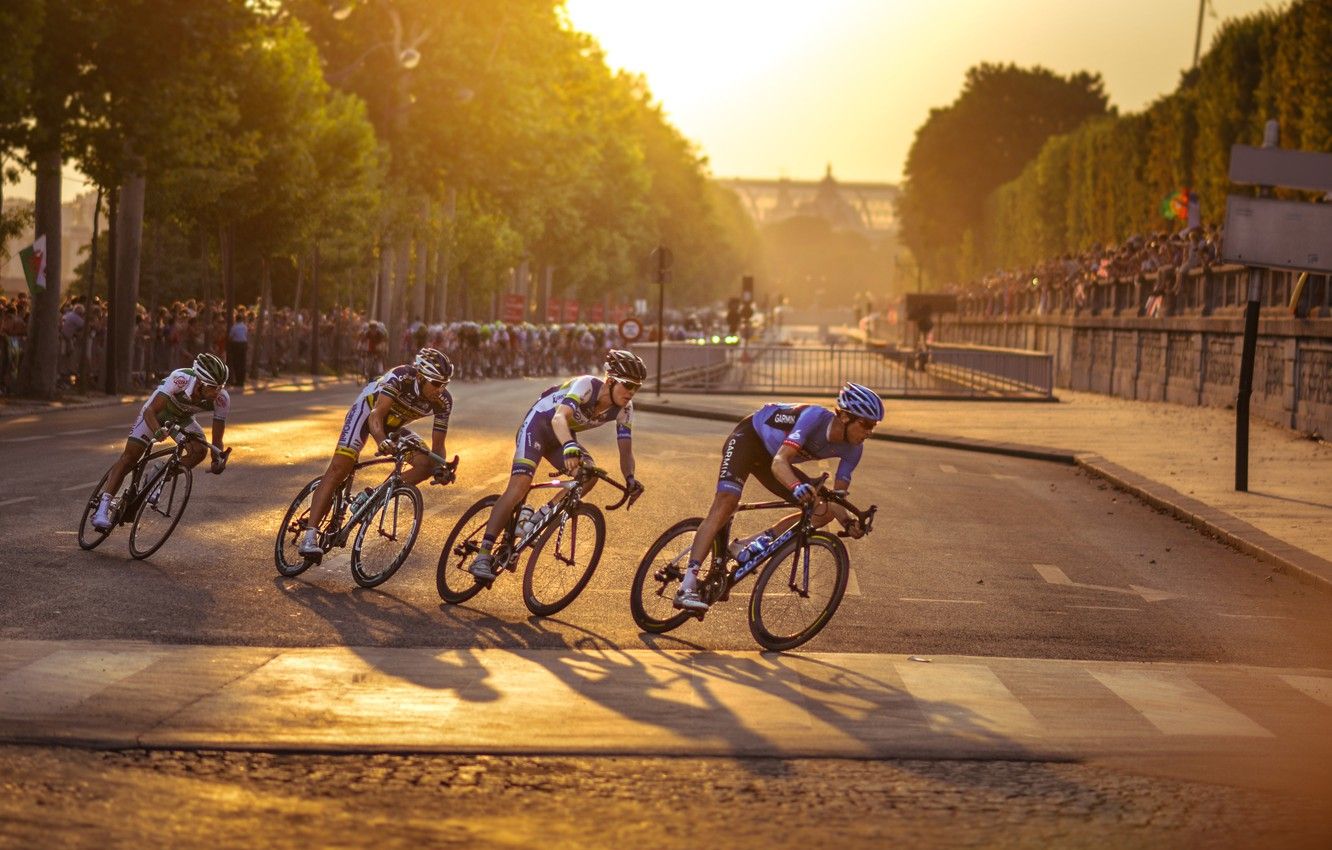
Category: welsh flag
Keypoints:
(33, 258)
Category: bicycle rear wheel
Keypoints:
(785, 610)
(162, 503)
(454, 583)
(652, 594)
(563, 561)
(386, 537)
(290, 562)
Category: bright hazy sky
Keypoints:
(782, 88)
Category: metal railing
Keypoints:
(948, 371)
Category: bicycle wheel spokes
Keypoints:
(289, 560)
(454, 583)
(166, 493)
(793, 598)
(90, 537)
(652, 595)
(563, 561)
(386, 537)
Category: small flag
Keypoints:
(34, 265)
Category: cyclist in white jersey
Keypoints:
(401, 395)
(184, 393)
(550, 431)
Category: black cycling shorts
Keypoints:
(744, 455)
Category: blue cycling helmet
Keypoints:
(860, 401)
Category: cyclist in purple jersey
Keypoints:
(767, 444)
(550, 431)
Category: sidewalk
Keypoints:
(1178, 458)
(11, 406)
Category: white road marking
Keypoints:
(1002, 477)
(78, 487)
(28, 439)
(951, 601)
(64, 679)
(966, 700)
(80, 431)
(1252, 616)
(16, 501)
(1054, 575)
(949, 468)
(1318, 687)
(1176, 705)
(1103, 608)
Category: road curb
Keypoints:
(1304, 566)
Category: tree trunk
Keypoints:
(42, 348)
(422, 255)
(112, 280)
(385, 281)
(262, 347)
(85, 356)
(226, 244)
(314, 313)
(402, 255)
(129, 247)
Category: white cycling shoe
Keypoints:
(102, 516)
(690, 600)
(309, 547)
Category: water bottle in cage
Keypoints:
(524, 525)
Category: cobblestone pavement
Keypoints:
(81, 798)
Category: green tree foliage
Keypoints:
(1106, 180)
(983, 139)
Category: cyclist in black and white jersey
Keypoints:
(550, 431)
(184, 393)
(399, 396)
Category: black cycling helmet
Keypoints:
(432, 365)
(210, 369)
(625, 366)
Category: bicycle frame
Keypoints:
(138, 493)
(345, 524)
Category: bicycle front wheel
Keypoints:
(798, 591)
(386, 537)
(652, 594)
(161, 505)
(89, 536)
(454, 583)
(563, 560)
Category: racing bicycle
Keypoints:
(564, 539)
(801, 582)
(152, 497)
(385, 519)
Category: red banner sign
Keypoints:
(570, 310)
(511, 309)
(597, 312)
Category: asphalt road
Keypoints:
(972, 554)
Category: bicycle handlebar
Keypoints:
(404, 442)
(589, 471)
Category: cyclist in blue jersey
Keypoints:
(399, 396)
(548, 431)
(767, 444)
(184, 393)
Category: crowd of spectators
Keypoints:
(1157, 263)
(171, 336)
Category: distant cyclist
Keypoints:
(374, 339)
(549, 431)
(184, 393)
(401, 395)
(767, 444)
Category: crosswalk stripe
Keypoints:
(64, 679)
(1318, 687)
(967, 700)
(1177, 705)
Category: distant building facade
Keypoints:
(76, 227)
(867, 208)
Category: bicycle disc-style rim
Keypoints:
(779, 618)
(390, 528)
(163, 516)
(651, 601)
(92, 541)
(452, 580)
(286, 558)
(563, 561)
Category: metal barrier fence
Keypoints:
(959, 371)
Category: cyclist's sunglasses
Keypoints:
(631, 386)
(439, 385)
